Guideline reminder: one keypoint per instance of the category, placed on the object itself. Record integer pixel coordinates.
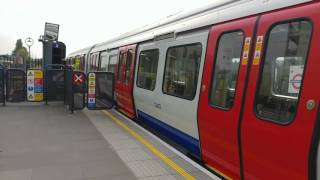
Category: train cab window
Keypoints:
(103, 62)
(225, 73)
(120, 64)
(147, 70)
(128, 66)
(112, 63)
(181, 71)
(284, 64)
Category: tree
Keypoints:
(20, 51)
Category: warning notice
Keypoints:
(295, 78)
(92, 90)
(35, 85)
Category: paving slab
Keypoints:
(45, 142)
(140, 159)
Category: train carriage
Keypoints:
(233, 84)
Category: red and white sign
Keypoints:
(295, 78)
(78, 78)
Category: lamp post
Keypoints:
(29, 42)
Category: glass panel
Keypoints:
(128, 66)
(147, 72)
(181, 71)
(283, 69)
(97, 63)
(225, 73)
(113, 60)
(104, 62)
(120, 64)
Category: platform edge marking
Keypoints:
(152, 148)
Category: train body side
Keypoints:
(170, 106)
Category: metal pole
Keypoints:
(29, 58)
(29, 41)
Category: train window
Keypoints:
(181, 71)
(83, 62)
(281, 79)
(90, 63)
(103, 62)
(120, 64)
(97, 62)
(128, 66)
(147, 71)
(225, 73)
(112, 63)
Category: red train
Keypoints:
(232, 84)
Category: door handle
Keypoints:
(157, 105)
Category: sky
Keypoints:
(82, 22)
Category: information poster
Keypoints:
(35, 85)
(92, 90)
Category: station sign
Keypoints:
(35, 85)
(91, 90)
(51, 31)
(295, 78)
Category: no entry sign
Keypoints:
(78, 78)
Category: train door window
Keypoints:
(112, 63)
(284, 64)
(104, 61)
(181, 71)
(225, 73)
(93, 62)
(96, 63)
(90, 63)
(128, 66)
(120, 64)
(147, 70)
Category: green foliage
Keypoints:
(20, 50)
(23, 52)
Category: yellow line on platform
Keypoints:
(153, 149)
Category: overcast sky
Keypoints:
(82, 22)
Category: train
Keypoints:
(233, 84)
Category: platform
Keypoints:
(46, 142)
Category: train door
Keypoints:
(282, 100)
(221, 97)
(124, 82)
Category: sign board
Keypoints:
(92, 90)
(295, 78)
(78, 90)
(51, 31)
(35, 85)
(78, 78)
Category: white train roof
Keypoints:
(80, 51)
(218, 11)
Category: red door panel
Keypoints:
(276, 136)
(218, 123)
(124, 85)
